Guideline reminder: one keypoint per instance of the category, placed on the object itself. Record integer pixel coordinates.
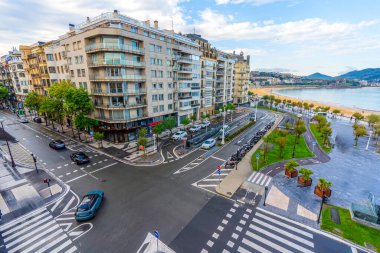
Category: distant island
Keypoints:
(356, 78)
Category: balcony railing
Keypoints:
(119, 105)
(114, 62)
(113, 47)
(120, 118)
(103, 77)
(121, 92)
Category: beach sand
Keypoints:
(347, 111)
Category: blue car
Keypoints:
(89, 205)
(57, 144)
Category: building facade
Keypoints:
(57, 63)
(242, 78)
(19, 79)
(224, 88)
(136, 73)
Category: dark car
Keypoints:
(37, 119)
(79, 157)
(89, 205)
(57, 144)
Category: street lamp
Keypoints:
(257, 101)
(265, 196)
(320, 210)
(6, 139)
(224, 122)
(370, 134)
(35, 162)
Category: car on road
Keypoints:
(37, 119)
(23, 120)
(195, 128)
(57, 144)
(164, 134)
(89, 205)
(227, 130)
(79, 158)
(209, 143)
(205, 124)
(179, 135)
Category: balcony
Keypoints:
(113, 47)
(34, 55)
(181, 78)
(219, 94)
(35, 75)
(185, 70)
(119, 106)
(221, 66)
(184, 108)
(184, 97)
(116, 63)
(104, 78)
(219, 73)
(120, 92)
(184, 59)
(37, 86)
(115, 119)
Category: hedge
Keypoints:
(230, 137)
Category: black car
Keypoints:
(57, 144)
(37, 119)
(79, 157)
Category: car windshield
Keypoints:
(80, 155)
(58, 141)
(87, 200)
(208, 142)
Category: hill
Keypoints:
(319, 76)
(370, 74)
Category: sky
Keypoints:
(295, 36)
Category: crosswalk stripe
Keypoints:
(71, 250)
(259, 178)
(280, 239)
(277, 222)
(51, 244)
(25, 223)
(62, 246)
(259, 182)
(6, 239)
(6, 226)
(68, 204)
(270, 179)
(251, 176)
(255, 246)
(253, 179)
(35, 238)
(267, 242)
(242, 250)
(280, 231)
(207, 185)
(39, 243)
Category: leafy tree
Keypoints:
(326, 131)
(291, 165)
(323, 184)
(142, 141)
(299, 129)
(169, 123)
(357, 116)
(250, 93)
(321, 121)
(4, 92)
(193, 118)
(142, 132)
(98, 136)
(158, 129)
(359, 131)
(266, 99)
(281, 141)
(81, 121)
(373, 119)
(288, 126)
(376, 132)
(335, 112)
(306, 173)
(271, 100)
(33, 101)
(185, 121)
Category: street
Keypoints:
(176, 198)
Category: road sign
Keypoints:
(257, 156)
(156, 234)
(219, 172)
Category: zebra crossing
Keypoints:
(36, 232)
(259, 179)
(211, 181)
(67, 202)
(75, 146)
(245, 230)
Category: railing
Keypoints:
(117, 78)
(116, 62)
(120, 105)
(186, 59)
(220, 72)
(114, 46)
(123, 118)
(185, 70)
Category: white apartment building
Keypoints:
(57, 63)
(224, 88)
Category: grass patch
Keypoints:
(268, 108)
(317, 135)
(273, 155)
(351, 230)
(231, 136)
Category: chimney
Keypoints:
(147, 23)
(115, 13)
(88, 20)
(71, 27)
(156, 24)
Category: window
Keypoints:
(159, 49)
(78, 72)
(160, 73)
(81, 59)
(162, 108)
(57, 69)
(60, 57)
(169, 85)
(168, 63)
(151, 47)
(155, 109)
(83, 72)
(170, 106)
(159, 62)
(76, 60)
(74, 46)
(69, 60)
(50, 57)
(134, 29)
(51, 70)
(79, 45)
(85, 85)
(161, 97)
(153, 73)
(154, 97)
(153, 36)
(152, 61)
(160, 86)
(169, 74)
(170, 96)
(154, 85)
(72, 73)
(162, 38)
(146, 33)
(168, 51)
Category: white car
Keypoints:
(165, 133)
(23, 120)
(209, 143)
(179, 135)
(195, 128)
(205, 123)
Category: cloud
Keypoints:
(216, 26)
(28, 21)
(254, 2)
(278, 69)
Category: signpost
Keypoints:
(219, 174)
(257, 160)
(157, 235)
(314, 143)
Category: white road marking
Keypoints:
(267, 242)
(253, 246)
(68, 204)
(56, 204)
(217, 158)
(215, 235)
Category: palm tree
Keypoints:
(359, 131)
(358, 116)
(281, 141)
(306, 173)
(323, 184)
(291, 165)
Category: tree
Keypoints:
(321, 121)
(158, 129)
(323, 184)
(271, 100)
(250, 93)
(142, 132)
(359, 131)
(281, 141)
(33, 101)
(326, 131)
(265, 98)
(335, 112)
(81, 121)
(193, 117)
(376, 132)
(288, 126)
(373, 119)
(98, 136)
(358, 116)
(169, 123)
(185, 121)
(306, 173)
(142, 141)
(4, 92)
(299, 128)
(291, 165)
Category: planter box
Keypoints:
(291, 174)
(318, 191)
(301, 181)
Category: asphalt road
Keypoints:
(138, 200)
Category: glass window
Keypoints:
(72, 73)
(146, 33)
(154, 85)
(153, 36)
(151, 47)
(161, 97)
(169, 51)
(83, 72)
(134, 29)
(153, 73)
(50, 57)
(154, 97)
(76, 60)
(170, 106)
(170, 96)
(81, 59)
(78, 72)
(162, 108)
(159, 62)
(152, 61)
(159, 49)
(168, 63)
(162, 38)
(160, 85)
(155, 109)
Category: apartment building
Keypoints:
(35, 66)
(136, 73)
(5, 77)
(242, 69)
(224, 88)
(56, 61)
(208, 73)
(17, 74)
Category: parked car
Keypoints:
(57, 144)
(79, 158)
(195, 128)
(205, 124)
(37, 119)
(226, 132)
(209, 143)
(164, 134)
(89, 205)
(23, 120)
(179, 135)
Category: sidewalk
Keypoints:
(236, 178)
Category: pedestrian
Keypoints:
(1, 214)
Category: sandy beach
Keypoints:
(347, 111)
